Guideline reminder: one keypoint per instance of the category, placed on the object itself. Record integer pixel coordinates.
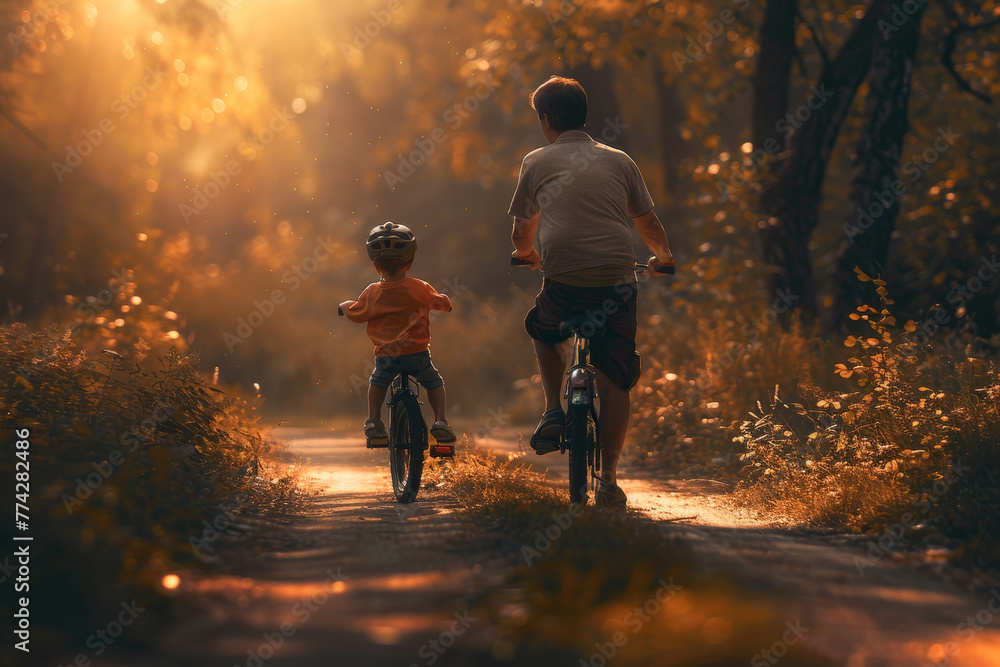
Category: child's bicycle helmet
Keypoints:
(391, 241)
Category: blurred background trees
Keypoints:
(213, 151)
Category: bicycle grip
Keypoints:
(519, 261)
(340, 311)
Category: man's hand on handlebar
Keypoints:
(660, 262)
(533, 260)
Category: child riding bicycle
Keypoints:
(397, 310)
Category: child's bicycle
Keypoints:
(407, 439)
(582, 435)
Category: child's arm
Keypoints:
(360, 310)
(437, 301)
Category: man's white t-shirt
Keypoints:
(587, 194)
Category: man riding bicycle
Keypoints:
(577, 195)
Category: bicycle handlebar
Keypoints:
(659, 268)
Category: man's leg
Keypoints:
(615, 409)
(551, 367)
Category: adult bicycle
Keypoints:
(581, 435)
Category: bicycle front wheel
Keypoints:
(407, 442)
(581, 442)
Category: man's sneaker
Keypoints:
(375, 435)
(545, 439)
(442, 432)
(610, 496)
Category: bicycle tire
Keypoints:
(407, 442)
(579, 448)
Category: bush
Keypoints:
(917, 442)
(129, 458)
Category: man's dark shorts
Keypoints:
(612, 352)
(418, 365)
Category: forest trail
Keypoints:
(357, 579)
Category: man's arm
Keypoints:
(523, 238)
(653, 235)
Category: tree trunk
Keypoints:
(874, 199)
(771, 79)
(789, 206)
(603, 110)
(673, 150)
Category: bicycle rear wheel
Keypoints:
(581, 442)
(407, 442)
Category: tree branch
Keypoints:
(815, 36)
(957, 27)
(25, 130)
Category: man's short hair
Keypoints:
(563, 101)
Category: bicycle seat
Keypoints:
(581, 323)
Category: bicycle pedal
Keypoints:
(376, 443)
(447, 451)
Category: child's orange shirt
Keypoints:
(397, 314)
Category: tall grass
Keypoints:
(856, 433)
(129, 457)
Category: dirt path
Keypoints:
(358, 579)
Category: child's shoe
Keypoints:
(442, 432)
(375, 434)
(444, 435)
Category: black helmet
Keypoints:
(391, 241)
